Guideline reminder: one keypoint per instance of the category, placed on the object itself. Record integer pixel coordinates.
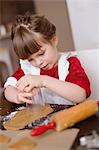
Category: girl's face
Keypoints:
(46, 57)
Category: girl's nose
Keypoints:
(39, 62)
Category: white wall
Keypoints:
(90, 61)
(84, 20)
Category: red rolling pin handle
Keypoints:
(98, 103)
(41, 129)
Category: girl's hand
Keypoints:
(28, 82)
(24, 97)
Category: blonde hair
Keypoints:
(24, 34)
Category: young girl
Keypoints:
(45, 75)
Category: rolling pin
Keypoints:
(75, 114)
(68, 117)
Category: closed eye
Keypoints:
(42, 53)
(31, 59)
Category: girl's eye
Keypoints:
(41, 54)
(30, 60)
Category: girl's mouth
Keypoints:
(45, 67)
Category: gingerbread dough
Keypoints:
(24, 143)
(26, 116)
(4, 139)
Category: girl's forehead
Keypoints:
(37, 53)
(42, 46)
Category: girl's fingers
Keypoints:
(24, 100)
(25, 97)
(35, 90)
(25, 94)
(28, 88)
(22, 86)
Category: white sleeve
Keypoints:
(10, 81)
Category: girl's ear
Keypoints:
(54, 40)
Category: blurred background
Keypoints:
(77, 23)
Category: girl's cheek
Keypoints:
(33, 63)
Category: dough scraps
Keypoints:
(4, 139)
(24, 143)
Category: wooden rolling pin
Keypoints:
(75, 114)
(68, 117)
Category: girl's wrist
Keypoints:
(45, 79)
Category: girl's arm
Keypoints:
(65, 89)
(11, 94)
(15, 96)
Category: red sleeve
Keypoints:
(18, 74)
(77, 75)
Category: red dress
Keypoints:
(76, 74)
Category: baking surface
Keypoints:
(50, 140)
